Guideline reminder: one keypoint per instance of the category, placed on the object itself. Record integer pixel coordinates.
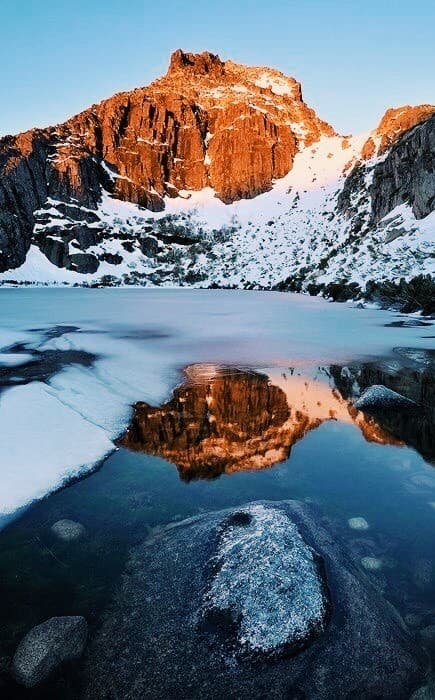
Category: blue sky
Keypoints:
(354, 59)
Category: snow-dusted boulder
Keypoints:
(258, 601)
(379, 398)
(46, 647)
(268, 583)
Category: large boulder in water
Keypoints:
(258, 601)
(266, 587)
(47, 646)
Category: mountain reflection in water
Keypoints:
(223, 420)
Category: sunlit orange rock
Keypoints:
(393, 124)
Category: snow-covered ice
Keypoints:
(43, 444)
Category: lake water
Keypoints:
(238, 397)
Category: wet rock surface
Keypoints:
(46, 647)
(158, 639)
(428, 635)
(415, 383)
(426, 692)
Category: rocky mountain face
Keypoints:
(406, 176)
(392, 126)
(206, 123)
(406, 173)
(160, 185)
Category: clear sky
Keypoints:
(354, 58)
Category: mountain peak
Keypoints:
(205, 63)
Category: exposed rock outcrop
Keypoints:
(413, 420)
(407, 174)
(23, 189)
(395, 123)
(397, 168)
(232, 132)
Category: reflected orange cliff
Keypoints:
(222, 421)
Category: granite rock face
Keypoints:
(232, 131)
(394, 123)
(407, 175)
(197, 616)
(403, 169)
(23, 189)
(46, 647)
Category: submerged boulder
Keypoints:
(68, 530)
(258, 601)
(379, 398)
(46, 647)
(358, 523)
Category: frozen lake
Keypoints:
(74, 361)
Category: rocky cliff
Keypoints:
(406, 172)
(216, 174)
(205, 123)
(407, 175)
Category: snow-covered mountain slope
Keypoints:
(347, 210)
(294, 231)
